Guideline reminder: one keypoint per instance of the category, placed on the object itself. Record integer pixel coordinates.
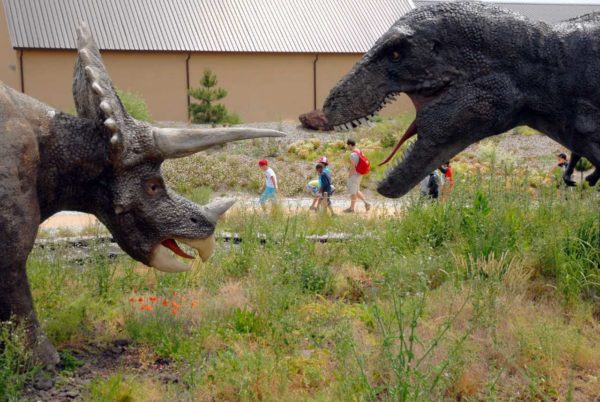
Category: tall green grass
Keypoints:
(390, 314)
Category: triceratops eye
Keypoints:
(153, 186)
(395, 55)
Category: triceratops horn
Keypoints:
(216, 209)
(175, 142)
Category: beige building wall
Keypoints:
(9, 61)
(261, 87)
(332, 67)
(158, 77)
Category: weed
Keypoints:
(15, 362)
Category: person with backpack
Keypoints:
(431, 185)
(359, 166)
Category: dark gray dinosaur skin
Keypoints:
(102, 162)
(474, 71)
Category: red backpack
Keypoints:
(363, 166)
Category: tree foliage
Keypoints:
(206, 110)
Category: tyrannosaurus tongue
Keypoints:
(410, 131)
(172, 245)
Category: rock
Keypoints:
(43, 383)
(169, 378)
(122, 342)
(314, 120)
(85, 369)
(306, 353)
(70, 393)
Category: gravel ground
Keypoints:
(293, 129)
(519, 145)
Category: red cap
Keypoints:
(263, 162)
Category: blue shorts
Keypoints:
(268, 194)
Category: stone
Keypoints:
(43, 383)
(314, 120)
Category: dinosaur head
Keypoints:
(145, 217)
(432, 54)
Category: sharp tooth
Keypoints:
(348, 126)
(162, 260)
(205, 247)
(363, 120)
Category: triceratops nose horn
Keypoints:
(215, 209)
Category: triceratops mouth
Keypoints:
(162, 254)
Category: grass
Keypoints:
(490, 295)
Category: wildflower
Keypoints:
(194, 303)
(165, 303)
(153, 299)
(175, 304)
(174, 311)
(141, 299)
(146, 307)
(131, 300)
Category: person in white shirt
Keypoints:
(270, 188)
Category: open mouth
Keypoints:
(419, 101)
(163, 254)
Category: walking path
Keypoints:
(79, 221)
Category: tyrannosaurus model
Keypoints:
(473, 71)
(102, 162)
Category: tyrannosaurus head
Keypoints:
(443, 58)
(146, 218)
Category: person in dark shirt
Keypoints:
(325, 189)
(563, 165)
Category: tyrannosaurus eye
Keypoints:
(395, 55)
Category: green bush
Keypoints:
(135, 105)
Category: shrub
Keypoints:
(206, 111)
(115, 388)
(583, 165)
(15, 368)
(135, 105)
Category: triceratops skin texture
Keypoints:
(473, 71)
(102, 162)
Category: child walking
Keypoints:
(315, 189)
(326, 189)
(270, 187)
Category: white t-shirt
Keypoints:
(354, 160)
(270, 178)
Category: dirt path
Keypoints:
(79, 221)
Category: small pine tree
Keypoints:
(206, 111)
(583, 165)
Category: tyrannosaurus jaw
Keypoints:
(163, 260)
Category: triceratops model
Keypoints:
(473, 71)
(102, 162)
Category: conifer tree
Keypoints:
(205, 110)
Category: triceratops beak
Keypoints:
(176, 143)
(163, 260)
